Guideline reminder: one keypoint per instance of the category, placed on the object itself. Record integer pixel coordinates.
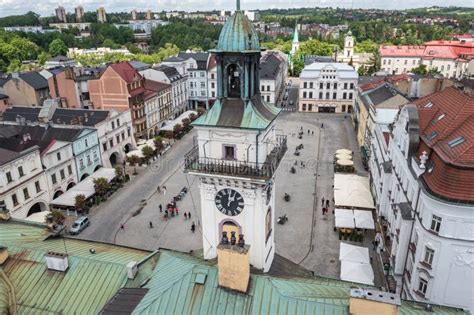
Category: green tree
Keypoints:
(148, 152)
(133, 160)
(110, 43)
(57, 47)
(158, 142)
(101, 186)
(434, 71)
(55, 217)
(80, 202)
(119, 172)
(43, 57)
(421, 70)
(177, 129)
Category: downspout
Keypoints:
(256, 141)
(248, 148)
(204, 148)
(409, 241)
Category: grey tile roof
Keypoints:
(39, 133)
(171, 72)
(269, 67)
(35, 80)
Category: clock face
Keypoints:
(229, 202)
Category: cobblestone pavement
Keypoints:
(307, 238)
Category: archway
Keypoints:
(97, 167)
(115, 159)
(229, 225)
(84, 176)
(70, 185)
(127, 148)
(37, 207)
(233, 80)
(57, 194)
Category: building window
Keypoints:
(344, 95)
(123, 135)
(81, 164)
(310, 85)
(321, 86)
(53, 179)
(69, 169)
(304, 94)
(328, 85)
(304, 107)
(26, 193)
(37, 186)
(113, 125)
(350, 96)
(213, 85)
(345, 86)
(320, 95)
(310, 107)
(429, 254)
(334, 95)
(305, 85)
(310, 94)
(268, 224)
(422, 286)
(212, 75)
(406, 61)
(118, 122)
(111, 142)
(352, 86)
(128, 132)
(268, 98)
(14, 200)
(9, 177)
(435, 223)
(104, 146)
(335, 85)
(20, 171)
(117, 138)
(96, 156)
(327, 95)
(58, 155)
(262, 88)
(86, 143)
(63, 175)
(229, 152)
(343, 108)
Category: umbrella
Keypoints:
(363, 219)
(357, 272)
(345, 163)
(343, 151)
(353, 253)
(342, 156)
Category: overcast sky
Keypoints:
(46, 7)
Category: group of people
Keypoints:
(325, 205)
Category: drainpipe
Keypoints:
(409, 240)
(248, 148)
(204, 148)
(256, 141)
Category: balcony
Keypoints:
(263, 171)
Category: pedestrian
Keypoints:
(308, 131)
(161, 207)
(327, 203)
(324, 210)
(322, 126)
(158, 189)
(322, 202)
(176, 210)
(193, 227)
(185, 215)
(164, 190)
(189, 215)
(312, 132)
(122, 227)
(151, 225)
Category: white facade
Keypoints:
(23, 184)
(327, 87)
(58, 160)
(268, 90)
(432, 243)
(256, 220)
(198, 89)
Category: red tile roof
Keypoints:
(152, 88)
(430, 50)
(125, 71)
(446, 121)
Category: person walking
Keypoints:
(193, 227)
(189, 215)
(122, 227)
(312, 132)
(161, 207)
(185, 216)
(322, 202)
(308, 131)
(164, 190)
(327, 203)
(151, 225)
(177, 211)
(322, 126)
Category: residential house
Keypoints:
(178, 84)
(27, 88)
(158, 106)
(350, 57)
(273, 72)
(425, 203)
(121, 88)
(23, 188)
(59, 61)
(327, 88)
(453, 59)
(63, 86)
(114, 128)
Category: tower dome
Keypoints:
(238, 34)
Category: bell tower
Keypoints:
(238, 149)
(348, 45)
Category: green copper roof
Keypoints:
(90, 281)
(238, 35)
(295, 35)
(238, 113)
(177, 287)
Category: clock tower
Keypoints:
(238, 149)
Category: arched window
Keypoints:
(233, 80)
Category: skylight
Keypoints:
(432, 135)
(439, 118)
(456, 141)
(429, 105)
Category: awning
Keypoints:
(345, 163)
(170, 125)
(344, 218)
(86, 188)
(363, 219)
(352, 191)
(358, 254)
(357, 272)
(363, 151)
(343, 156)
(344, 151)
(38, 217)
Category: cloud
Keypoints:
(46, 7)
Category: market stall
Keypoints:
(352, 191)
(364, 220)
(348, 252)
(357, 272)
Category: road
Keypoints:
(292, 95)
(108, 217)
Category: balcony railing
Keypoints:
(265, 170)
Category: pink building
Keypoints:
(63, 85)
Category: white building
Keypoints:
(425, 198)
(273, 75)
(100, 51)
(327, 88)
(178, 83)
(25, 29)
(451, 58)
(350, 57)
(158, 106)
(23, 186)
(65, 26)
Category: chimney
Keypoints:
(57, 261)
(132, 269)
(233, 261)
(364, 301)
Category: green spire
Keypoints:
(238, 5)
(295, 35)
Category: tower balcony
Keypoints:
(193, 163)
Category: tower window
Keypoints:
(233, 81)
(229, 152)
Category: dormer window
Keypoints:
(456, 141)
(431, 136)
(438, 118)
(429, 105)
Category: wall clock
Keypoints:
(229, 202)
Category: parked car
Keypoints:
(79, 225)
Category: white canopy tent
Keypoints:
(353, 191)
(138, 153)
(341, 156)
(348, 252)
(363, 219)
(38, 217)
(345, 163)
(170, 125)
(357, 272)
(86, 188)
(344, 218)
(343, 151)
